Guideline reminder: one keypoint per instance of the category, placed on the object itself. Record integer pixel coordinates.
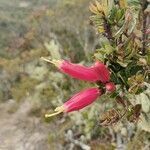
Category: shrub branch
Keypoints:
(144, 25)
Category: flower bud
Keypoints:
(76, 71)
(104, 74)
(78, 101)
(110, 86)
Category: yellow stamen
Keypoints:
(58, 109)
(53, 114)
(54, 61)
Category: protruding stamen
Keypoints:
(53, 114)
(54, 61)
(47, 60)
(58, 109)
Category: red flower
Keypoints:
(104, 74)
(78, 101)
(110, 86)
(76, 70)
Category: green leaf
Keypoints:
(120, 15)
(148, 56)
(99, 56)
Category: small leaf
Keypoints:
(93, 9)
(134, 113)
(105, 7)
(123, 3)
(99, 56)
(144, 124)
(148, 56)
(133, 89)
(145, 102)
(53, 48)
(120, 14)
(99, 6)
(101, 29)
(110, 117)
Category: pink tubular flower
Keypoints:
(78, 101)
(104, 74)
(77, 71)
(110, 86)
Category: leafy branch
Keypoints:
(144, 5)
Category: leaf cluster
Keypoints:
(123, 42)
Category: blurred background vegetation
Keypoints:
(29, 87)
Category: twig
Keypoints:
(107, 28)
(144, 17)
